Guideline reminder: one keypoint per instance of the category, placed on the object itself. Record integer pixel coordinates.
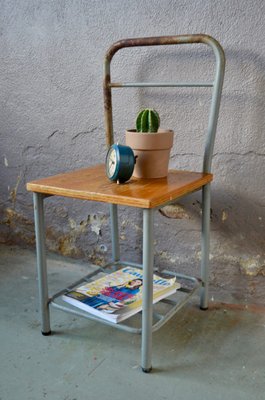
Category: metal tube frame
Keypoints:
(147, 309)
(148, 214)
(207, 158)
(205, 245)
(41, 262)
(114, 228)
(148, 325)
(161, 41)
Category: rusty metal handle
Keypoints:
(161, 41)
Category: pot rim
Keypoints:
(150, 133)
(161, 140)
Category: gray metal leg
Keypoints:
(41, 262)
(148, 263)
(205, 245)
(114, 232)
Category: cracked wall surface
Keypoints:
(51, 110)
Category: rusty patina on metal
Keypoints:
(156, 41)
(108, 110)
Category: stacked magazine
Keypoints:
(118, 295)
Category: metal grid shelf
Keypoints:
(172, 304)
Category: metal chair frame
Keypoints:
(202, 284)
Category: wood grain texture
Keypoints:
(92, 184)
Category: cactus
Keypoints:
(147, 121)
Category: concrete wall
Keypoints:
(51, 113)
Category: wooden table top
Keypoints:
(92, 184)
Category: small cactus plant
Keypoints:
(147, 121)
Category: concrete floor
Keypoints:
(214, 354)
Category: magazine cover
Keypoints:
(118, 295)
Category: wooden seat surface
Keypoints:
(92, 184)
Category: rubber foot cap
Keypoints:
(204, 308)
(147, 370)
(46, 333)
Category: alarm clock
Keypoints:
(120, 161)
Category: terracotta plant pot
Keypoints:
(152, 151)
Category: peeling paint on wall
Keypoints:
(67, 244)
(165, 255)
(252, 266)
(96, 221)
(13, 192)
(16, 228)
(97, 256)
(224, 215)
(132, 225)
(175, 211)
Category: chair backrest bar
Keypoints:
(161, 41)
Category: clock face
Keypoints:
(111, 162)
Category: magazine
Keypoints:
(118, 295)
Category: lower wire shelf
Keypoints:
(163, 311)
